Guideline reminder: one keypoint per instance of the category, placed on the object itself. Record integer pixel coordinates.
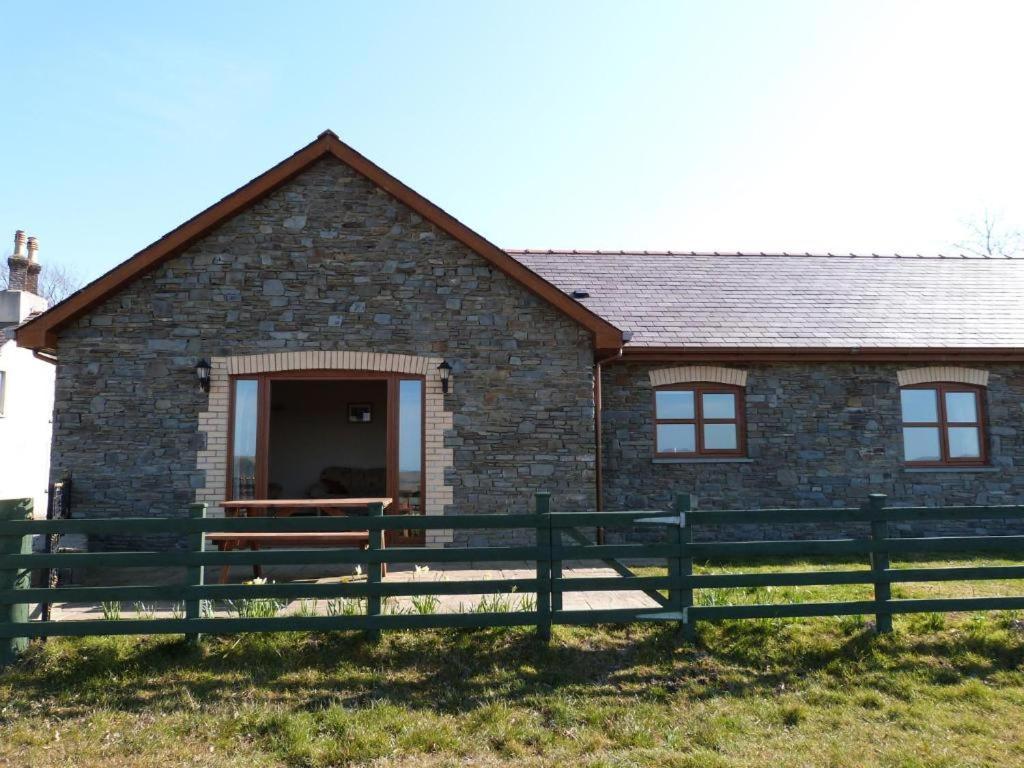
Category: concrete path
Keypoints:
(570, 600)
(444, 604)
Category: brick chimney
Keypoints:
(17, 263)
(34, 267)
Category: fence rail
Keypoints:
(674, 593)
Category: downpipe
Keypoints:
(598, 439)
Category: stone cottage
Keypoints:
(355, 339)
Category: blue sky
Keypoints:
(833, 126)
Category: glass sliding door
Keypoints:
(326, 434)
(410, 446)
(245, 426)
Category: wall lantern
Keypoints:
(445, 371)
(203, 369)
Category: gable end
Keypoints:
(41, 332)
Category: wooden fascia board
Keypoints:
(605, 334)
(820, 354)
(41, 332)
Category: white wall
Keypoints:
(26, 424)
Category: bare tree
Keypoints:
(56, 282)
(988, 237)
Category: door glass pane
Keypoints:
(410, 445)
(674, 404)
(243, 440)
(327, 438)
(964, 443)
(920, 405)
(719, 406)
(961, 407)
(719, 437)
(921, 444)
(677, 438)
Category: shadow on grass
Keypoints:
(458, 671)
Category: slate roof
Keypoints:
(671, 299)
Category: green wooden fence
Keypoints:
(549, 550)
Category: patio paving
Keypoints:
(446, 603)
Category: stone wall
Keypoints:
(328, 262)
(331, 264)
(818, 436)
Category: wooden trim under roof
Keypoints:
(41, 332)
(751, 355)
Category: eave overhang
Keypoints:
(821, 354)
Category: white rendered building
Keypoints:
(26, 386)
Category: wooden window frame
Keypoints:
(264, 380)
(943, 425)
(700, 389)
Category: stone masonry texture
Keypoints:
(330, 263)
(327, 262)
(818, 435)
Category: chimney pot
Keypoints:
(17, 263)
(34, 267)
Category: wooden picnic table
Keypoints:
(286, 508)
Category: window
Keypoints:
(943, 425)
(410, 446)
(698, 420)
(245, 425)
(3, 390)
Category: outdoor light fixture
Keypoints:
(203, 369)
(446, 373)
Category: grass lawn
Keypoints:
(941, 691)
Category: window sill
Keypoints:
(708, 460)
(949, 470)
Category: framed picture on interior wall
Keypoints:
(360, 413)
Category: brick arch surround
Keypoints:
(951, 373)
(214, 421)
(687, 373)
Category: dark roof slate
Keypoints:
(671, 299)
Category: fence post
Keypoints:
(879, 564)
(680, 566)
(195, 574)
(543, 508)
(375, 570)
(555, 541)
(12, 647)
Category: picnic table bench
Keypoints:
(226, 542)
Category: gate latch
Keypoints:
(679, 520)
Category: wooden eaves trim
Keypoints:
(41, 332)
(750, 355)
